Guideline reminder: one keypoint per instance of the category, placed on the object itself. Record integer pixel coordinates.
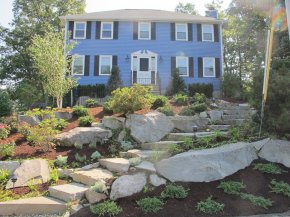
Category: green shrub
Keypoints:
(115, 80)
(150, 204)
(135, 161)
(159, 101)
(126, 145)
(109, 208)
(106, 107)
(180, 99)
(93, 145)
(91, 103)
(268, 168)
(5, 104)
(199, 98)
(4, 176)
(80, 111)
(231, 85)
(93, 91)
(54, 123)
(280, 188)
(61, 161)
(128, 100)
(96, 155)
(41, 137)
(200, 107)
(167, 110)
(4, 131)
(232, 187)
(41, 113)
(7, 150)
(174, 149)
(78, 145)
(257, 200)
(206, 89)
(99, 187)
(187, 111)
(54, 175)
(80, 158)
(174, 191)
(176, 85)
(210, 206)
(86, 121)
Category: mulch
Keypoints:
(257, 183)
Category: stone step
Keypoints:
(146, 166)
(162, 145)
(237, 112)
(115, 164)
(33, 206)
(181, 136)
(239, 116)
(219, 127)
(90, 177)
(235, 106)
(68, 192)
(148, 154)
(235, 122)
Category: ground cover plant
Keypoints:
(268, 168)
(280, 187)
(257, 200)
(210, 206)
(109, 208)
(174, 191)
(232, 187)
(148, 204)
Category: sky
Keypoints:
(6, 14)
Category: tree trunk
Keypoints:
(59, 102)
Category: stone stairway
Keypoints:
(180, 136)
(68, 192)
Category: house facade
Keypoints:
(146, 45)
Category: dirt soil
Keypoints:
(257, 183)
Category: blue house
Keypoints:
(146, 45)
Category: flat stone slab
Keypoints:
(11, 166)
(162, 145)
(94, 197)
(219, 127)
(147, 154)
(185, 123)
(115, 164)
(68, 192)
(180, 136)
(146, 166)
(33, 206)
(90, 177)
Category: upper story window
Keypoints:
(181, 31)
(78, 65)
(207, 32)
(208, 67)
(80, 30)
(182, 65)
(107, 30)
(144, 32)
(105, 65)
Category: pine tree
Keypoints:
(177, 84)
(115, 80)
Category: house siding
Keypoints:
(162, 45)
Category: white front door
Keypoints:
(144, 74)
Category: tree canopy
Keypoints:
(187, 8)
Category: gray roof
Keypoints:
(141, 15)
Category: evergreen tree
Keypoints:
(177, 84)
(115, 80)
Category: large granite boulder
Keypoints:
(277, 151)
(207, 165)
(215, 115)
(10, 166)
(31, 120)
(115, 164)
(113, 122)
(82, 135)
(63, 115)
(185, 123)
(151, 127)
(31, 171)
(128, 185)
(95, 197)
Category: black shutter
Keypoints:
(115, 60)
(189, 26)
(116, 30)
(87, 65)
(217, 67)
(199, 32)
(89, 29)
(216, 32)
(173, 64)
(200, 67)
(96, 67)
(191, 69)
(172, 31)
(135, 31)
(71, 25)
(98, 29)
(153, 31)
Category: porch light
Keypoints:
(13, 179)
(127, 58)
(194, 129)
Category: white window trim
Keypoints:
(211, 25)
(214, 70)
(187, 71)
(139, 29)
(85, 30)
(186, 31)
(72, 68)
(112, 29)
(100, 64)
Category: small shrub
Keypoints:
(41, 113)
(187, 143)
(24, 129)
(86, 121)
(99, 187)
(126, 145)
(54, 123)
(115, 80)
(232, 187)
(235, 134)
(93, 91)
(174, 149)
(180, 99)
(106, 107)
(54, 175)
(174, 191)
(4, 176)
(109, 208)
(135, 161)
(61, 161)
(280, 188)
(210, 206)
(4, 131)
(91, 103)
(41, 137)
(268, 168)
(80, 158)
(159, 101)
(78, 146)
(200, 107)
(187, 111)
(93, 145)
(31, 185)
(257, 200)
(167, 110)
(96, 155)
(206, 89)
(80, 111)
(5, 104)
(199, 98)
(150, 204)
(176, 85)
(7, 150)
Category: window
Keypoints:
(182, 65)
(105, 65)
(208, 67)
(80, 30)
(181, 31)
(144, 31)
(207, 32)
(107, 30)
(78, 65)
